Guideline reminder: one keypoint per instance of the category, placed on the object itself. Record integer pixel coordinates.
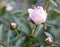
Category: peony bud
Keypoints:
(37, 15)
(45, 27)
(9, 7)
(49, 40)
(31, 36)
(13, 26)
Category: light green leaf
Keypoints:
(40, 30)
(1, 46)
(42, 45)
(1, 31)
(53, 2)
(56, 10)
(48, 34)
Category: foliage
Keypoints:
(10, 38)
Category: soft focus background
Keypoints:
(19, 14)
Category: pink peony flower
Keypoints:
(49, 40)
(9, 7)
(37, 15)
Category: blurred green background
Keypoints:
(8, 38)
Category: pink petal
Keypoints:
(30, 12)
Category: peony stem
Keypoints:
(18, 34)
(35, 30)
(33, 33)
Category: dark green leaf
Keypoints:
(2, 11)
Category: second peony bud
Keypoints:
(37, 15)
(49, 40)
(9, 7)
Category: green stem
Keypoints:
(33, 33)
(35, 30)
(18, 34)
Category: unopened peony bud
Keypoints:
(37, 15)
(49, 40)
(13, 26)
(9, 7)
(45, 27)
(31, 36)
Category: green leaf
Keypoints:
(2, 11)
(53, 2)
(17, 12)
(48, 34)
(42, 45)
(53, 15)
(1, 31)
(56, 10)
(35, 40)
(10, 35)
(1, 46)
(19, 43)
(40, 30)
(40, 34)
